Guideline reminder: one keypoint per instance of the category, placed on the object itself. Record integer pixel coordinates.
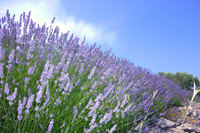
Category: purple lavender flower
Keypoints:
(38, 115)
(65, 67)
(1, 70)
(78, 82)
(17, 59)
(64, 77)
(53, 20)
(9, 66)
(107, 117)
(26, 80)
(93, 109)
(93, 119)
(47, 90)
(32, 69)
(44, 74)
(58, 101)
(1, 36)
(39, 95)
(108, 90)
(138, 126)
(92, 72)
(94, 85)
(79, 105)
(50, 125)
(36, 108)
(57, 68)
(20, 108)
(12, 97)
(18, 48)
(45, 103)
(41, 126)
(99, 97)
(24, 100)
(75, 111)
(124, 101)
(113, 128)
(13, 82)
(63, 125)
(1, 50)
(29, 103)
(91, 128)
(81, 69)
(128, 108)
(123, 114)
(50, 73)
(11, 56)
(117, 107)
(51, 115)
(67, 129)
(86, 118)
(1, 82)
(89, 103)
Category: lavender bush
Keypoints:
(51, 84)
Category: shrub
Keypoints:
(55, 85)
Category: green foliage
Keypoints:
(196, 80)
(184, 80)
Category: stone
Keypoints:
(172, 120)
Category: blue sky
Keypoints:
(160, 35)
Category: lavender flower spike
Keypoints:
(11, 56)
(92, 73)
(1, 70)
(53, 20)
(39, 95)
(50, 125)
(1, 53)
(75, 111)
(12, 97)
(6, 90)
(29, 103)
(20, 108)
(113, 128)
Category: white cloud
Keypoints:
(43, 11)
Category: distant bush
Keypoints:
(184, 80)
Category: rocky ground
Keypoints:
(172, 120)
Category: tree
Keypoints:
(184, 80)
(196, 80)
(167, 75)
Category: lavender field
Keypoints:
(51, 83)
